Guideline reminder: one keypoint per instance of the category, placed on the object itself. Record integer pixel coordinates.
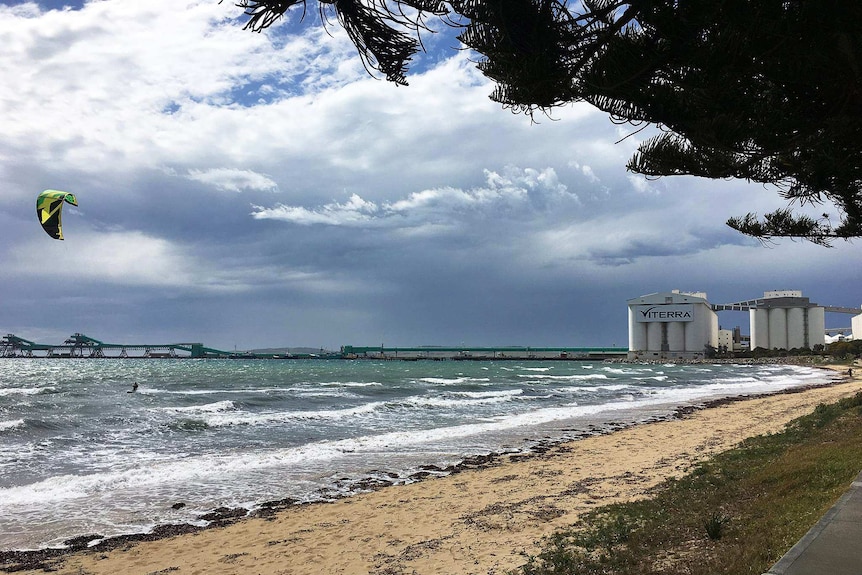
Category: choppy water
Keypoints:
(78, 454)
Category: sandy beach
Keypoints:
(479, 521)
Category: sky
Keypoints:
(249, 190)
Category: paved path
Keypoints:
(834, 545)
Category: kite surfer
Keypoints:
(134, 388)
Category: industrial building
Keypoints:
(732, 340)
(684, 325)
(673, 325)
(786, 320)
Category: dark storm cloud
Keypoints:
(257, 190)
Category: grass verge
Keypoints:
(737, 513)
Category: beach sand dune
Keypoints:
(479, 521)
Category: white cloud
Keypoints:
(353, 212)
(642, 185)
(128, 83)
(513, 189)
(588, 172)
(233, 180)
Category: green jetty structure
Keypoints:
(82, 346)
(483, 353)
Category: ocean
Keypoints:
(80, 454)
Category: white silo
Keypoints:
(696, 334)
(637, 333)
(816, 326)
(671, 324)
(797, 332)
(654, 336)
(713, 329)
(759, 320)
(856, 326)
(777, 328)
(786, 320)
(676, 331)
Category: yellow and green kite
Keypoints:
(49, 209)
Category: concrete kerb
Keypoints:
(789, 564)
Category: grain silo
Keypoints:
(786, 320)
(856, 326)
(671, 325)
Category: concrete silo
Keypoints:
(856, 326)
(671, 325)
(816, 326)
(759, 320)
(777, 328)
(797, 330)
(786, 320)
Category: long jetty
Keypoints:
(483, 353)
(81, 346)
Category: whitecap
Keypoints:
(453, 381)
(25, 390)
(275, 417)
(216, 407)
(482, 394)
(470, 400)
(572, 377)
(15, 423)
(350, 384)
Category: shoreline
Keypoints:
(377, 479)
(489, 511)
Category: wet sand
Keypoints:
(478, 521)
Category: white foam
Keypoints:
(158, 391)
(350, 384)
(483, 394)
(13, 424)
(453, 381)
(221, 467)
(626, 370)
(573, 377)
(216, 407)
(477, 398)
(609, 387)
(306, 392)
(25, 390)
(268, 418)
